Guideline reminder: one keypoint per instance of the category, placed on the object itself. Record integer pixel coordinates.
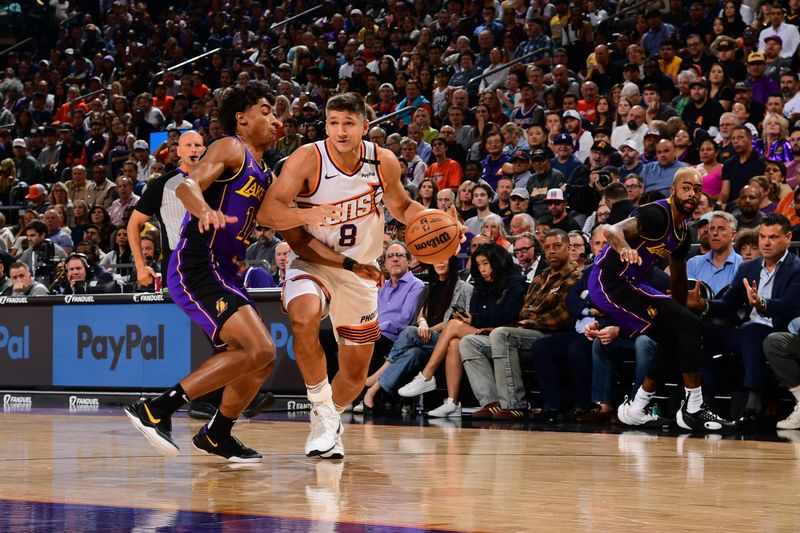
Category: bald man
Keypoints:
(159, 199)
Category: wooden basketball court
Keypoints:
(94, 472)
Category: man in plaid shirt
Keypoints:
(491, 358)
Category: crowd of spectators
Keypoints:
(532, 117)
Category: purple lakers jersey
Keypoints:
(656, 242)
(237, 194)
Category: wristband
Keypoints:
(349, 263)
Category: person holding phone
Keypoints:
(445, 295)
(497, 300)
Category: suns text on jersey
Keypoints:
(355, 208)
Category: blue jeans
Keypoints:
(408, 352)
(605, 358)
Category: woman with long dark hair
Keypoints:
(120, 253)
(426, 193)
(445, 292)
(496, 301)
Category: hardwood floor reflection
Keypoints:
(421, 477)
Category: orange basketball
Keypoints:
(432, 236)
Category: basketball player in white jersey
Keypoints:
(333, 272)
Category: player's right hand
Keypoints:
(145, 276)
(322, 215)
(213, 219)
(369, 273)
(629, 255)
(694, 300)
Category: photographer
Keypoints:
(586, 184)
(22, 283)
(42, 254)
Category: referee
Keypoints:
(159, 199)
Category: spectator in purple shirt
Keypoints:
(397, 300)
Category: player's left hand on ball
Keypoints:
(461, 227)
(369, 273)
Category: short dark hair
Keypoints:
(562, 235)
(238, 100)
(615, 192)
(36, 225)
(776, 219)
(352, 102)
(745, 129)
(486, 187)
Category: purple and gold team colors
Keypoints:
(203, 277)
(620, 289)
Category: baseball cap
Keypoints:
(520, 192)
(18, 142)
(741, 86)
(356, 12)
(775, 38)
(630, 143)
(555, 195)
(284, 66)
(69, 51)
(140, 145)
(756, 57)
(538, 155)
(571, 113)
(629, 89)
(706, 218)
(652, 132)
(312, 105)
(602, 147)
(65, 127)
(564, 138)
(36, 191)
(520, 155)
(387, 86)
(699, 81)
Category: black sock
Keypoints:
(171, 400)
(220, 426)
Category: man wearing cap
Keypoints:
(724, 48)
(144, 163)
(37, 194)
(26, 165)
(658, 176)
(557, 206)
(543, 179)
(445, 172)
(537, 40)
(772, 55)
(630, 159)
(71, 152)
(527, 112)
(564, 161)
(582, 138)
(744, 94)
(790, 37)
(520, 168)
(759, 83)
(520, 202)
(702, 112)
(657, 32)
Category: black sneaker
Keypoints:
(200, 410)
(154, 425)
(260, 403)
(229, 448)
(703, 420)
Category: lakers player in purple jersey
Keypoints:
(222, 195)
(617, 286)
(334, 272)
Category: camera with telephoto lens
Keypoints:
(603, 178)
(46, 262)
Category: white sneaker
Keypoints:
(630, 416)
(449, 409)
(359, 408)
(337, 452)
(326, 427)
(417, 386)
(792, 421)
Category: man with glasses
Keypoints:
(697, 54)
(634, 186)
(526, 252)
(727, 121)
(544, 178)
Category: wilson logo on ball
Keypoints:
(436, 240)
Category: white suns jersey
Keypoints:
(359, 232)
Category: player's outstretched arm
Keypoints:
(278, 210)
(618, 236)
(224, 154)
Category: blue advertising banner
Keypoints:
(143, 346)
(25, 344)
